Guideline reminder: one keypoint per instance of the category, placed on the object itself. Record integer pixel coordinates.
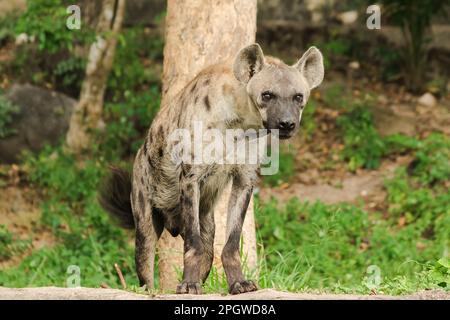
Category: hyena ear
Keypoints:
(311, 67)
(248, 62)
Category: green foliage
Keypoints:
(7, 110)
(129, 73)
(431, 164)
(46, 21)
(390, 62)
(330, 246)
(336, 96)
(335, 47)
(70, 72)
(86, 236)
(7, 23)
(10, 245)
(319, 246)
(134, 91)
(363, 145)
(441, 272)
(50, 58)
(399, 143)
(308, 122)
(414, 18)
(128, 120)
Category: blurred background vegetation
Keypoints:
(366, 181)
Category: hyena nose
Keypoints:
(286, 125)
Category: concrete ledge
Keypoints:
(54, 293)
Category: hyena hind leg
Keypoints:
(149, 227)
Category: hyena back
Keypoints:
(250, 92)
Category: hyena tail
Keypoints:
(114, 196)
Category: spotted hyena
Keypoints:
(252, 91)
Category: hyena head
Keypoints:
(279, 91)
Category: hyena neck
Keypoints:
(247, 113)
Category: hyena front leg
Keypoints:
(148, 230)
(207, 230)
(193, 248)
(237, 208)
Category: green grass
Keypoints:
(318, 246)
(330, 247)
(85, 236)
(10, 244)
(363, 145)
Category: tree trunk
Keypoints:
(200, 33)
(87, 114)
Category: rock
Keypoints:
(427, 100)
(43, 117)
(354, 65)
(348, 17)
(24, 38)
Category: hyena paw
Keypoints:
(189, 288)
(243, 286)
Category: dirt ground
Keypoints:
(54, 293)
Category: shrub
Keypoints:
(45, 20)
(86, 237)
(7, 110)
(363, 145)
(10, 245)
(414, 18)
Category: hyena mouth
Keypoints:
(285, 136)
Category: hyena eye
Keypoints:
(267, 96)
(298, 98)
